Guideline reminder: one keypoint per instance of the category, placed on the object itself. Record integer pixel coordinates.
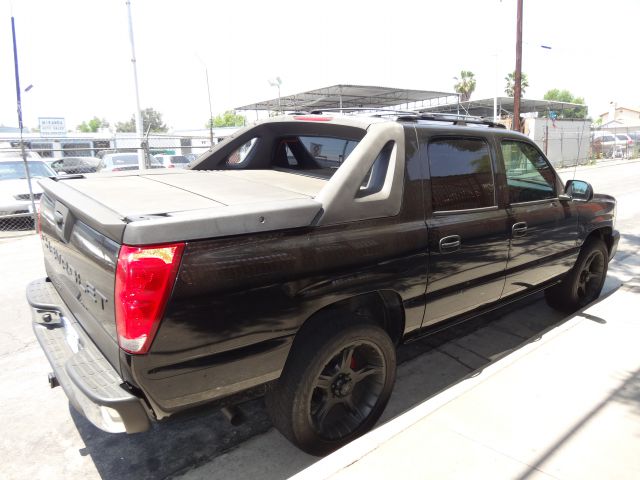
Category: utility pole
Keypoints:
(142, 164)
(206, 72)
(517, 87)
(19, 102)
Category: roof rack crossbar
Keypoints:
(454, 118)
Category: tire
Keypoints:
(583, 284)
(334, 386)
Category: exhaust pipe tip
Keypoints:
(53, 380)
(233, 414)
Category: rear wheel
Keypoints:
(334, 387)
(584, 282)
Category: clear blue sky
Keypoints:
(77, 54)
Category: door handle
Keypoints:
(519, 229)
(449, 244)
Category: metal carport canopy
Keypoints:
(484, 107)
(349, 96)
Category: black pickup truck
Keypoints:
(293, 258)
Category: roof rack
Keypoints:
(373, 110)
(453, 118)
(413, 115)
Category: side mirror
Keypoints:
(578, 190)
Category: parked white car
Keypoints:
(15, 201)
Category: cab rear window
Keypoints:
(314, 155)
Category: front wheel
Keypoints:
(334, 387)
(584, 282)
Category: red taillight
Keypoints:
(116, 170)
(144, 279)
(171, 165)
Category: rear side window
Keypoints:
(529, 176)
(240, 154)
(461, 174)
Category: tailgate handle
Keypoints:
(59, 218)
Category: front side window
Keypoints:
(461, 174)
(529, 175)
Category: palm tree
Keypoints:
(465, 85)
(511, 80)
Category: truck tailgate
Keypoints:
(81, 264)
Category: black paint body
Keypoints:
(238, 301)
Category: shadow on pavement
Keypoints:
(628, 392)
(427, 367)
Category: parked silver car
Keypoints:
(74, 165)
(118, 162)
(612, 145)
(173, 161)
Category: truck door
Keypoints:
(544, 230)
(468, 230)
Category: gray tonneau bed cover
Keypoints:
(164, 205)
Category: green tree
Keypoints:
(93, 125)
(150, 118)
(465, 85)
(511, 80)
(566, 96)
(227, 119)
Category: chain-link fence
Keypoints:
(20, 171)
(19, 192)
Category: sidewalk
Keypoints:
(564, 407)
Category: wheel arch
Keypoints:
(603, 233)
(381, 307)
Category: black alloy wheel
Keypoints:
(335, 384)
(347, 390)
(591, 277)
(584, 282)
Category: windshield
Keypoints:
(16, 170)
(17, 154)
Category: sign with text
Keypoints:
(52, 126)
